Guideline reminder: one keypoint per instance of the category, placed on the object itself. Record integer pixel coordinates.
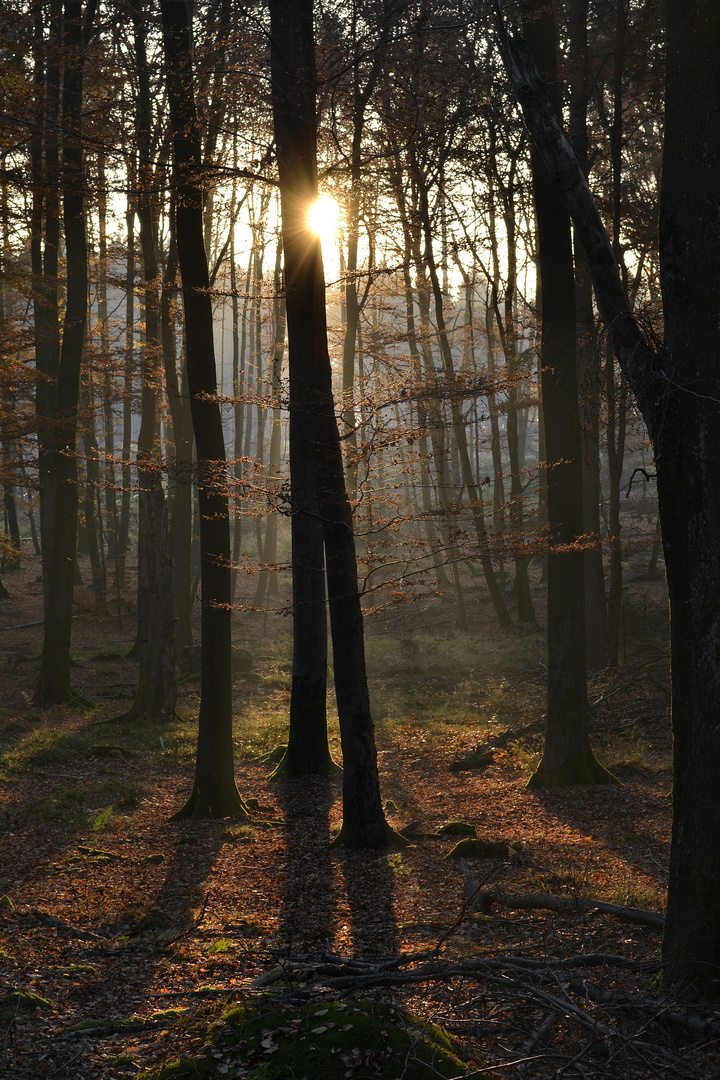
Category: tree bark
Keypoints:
(588, 373)
(671, 383)
(687, 459)
(214, 791)
(54, 683)
(567, 754)
(313, 425)
(156, 692)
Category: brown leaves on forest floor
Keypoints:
(141, 929)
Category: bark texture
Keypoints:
(567, 755)
(214, 792)
(54, 683)
(678, 390)
(316, 466)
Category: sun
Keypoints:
(324, 219)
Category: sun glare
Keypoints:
(324, 218)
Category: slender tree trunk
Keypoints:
(128, 379)
(111, 507)
(273, 478)
(313, 428)
(242, 411)
(475, 496)
(181, 515)
(45, 224)
(91, 501)
(616, 399)
(506, 323)
(567, 755)
(214, 791)
(156, 692)
(54, 683)
(422, 424)
(588, 373)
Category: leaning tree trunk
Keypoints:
(316, 437)
(677, 389)
(588, 376)
(54, 683)
(214, 791)
(567, 754)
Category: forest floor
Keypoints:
(125, 938)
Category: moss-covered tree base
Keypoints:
(292, 765)
(576, 769)
(386, 839)
(224, 801)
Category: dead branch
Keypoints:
(566, 905)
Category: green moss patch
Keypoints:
(17, 1002)
(457, 828)
(366, 1040)
(479, 849)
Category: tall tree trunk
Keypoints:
(314, 435)
(111, 507)
(214, 791)
(181, 512)
(45, 225)
(422, 426)
(687, 457)
(588, 375)
(506, 323)
(156, 692)
(273, 477)
(91, 500)
(475, 496)
(128, 379)
(668, 383)
(54, 682)
(567, 755)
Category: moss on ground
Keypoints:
(367, 1040)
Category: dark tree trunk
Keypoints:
(181, 516)
(156, 692)
(45, 226)
(91, 499)
(687, 458)
(54, 683)
(267, 576)
(128, 378)
(214, 792)
(111, 507)
(308, 751)
(677, 388)
(588, 369)
(567, 755)
(314, 433)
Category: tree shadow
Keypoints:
(370, 885)
(183, 892)
(623, 819)
(307, 914)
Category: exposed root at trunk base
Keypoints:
(225, 801)
(291, 766)
(384, 839)
(576, 769)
